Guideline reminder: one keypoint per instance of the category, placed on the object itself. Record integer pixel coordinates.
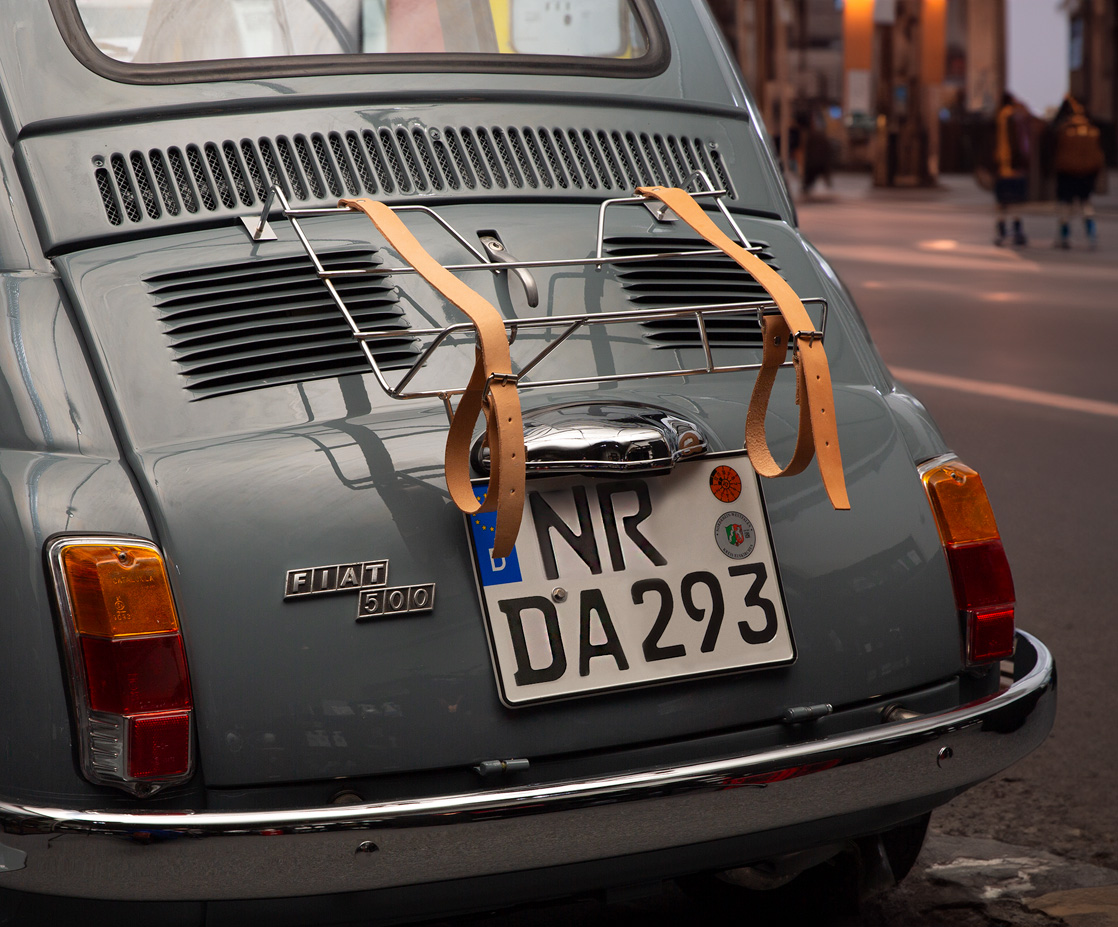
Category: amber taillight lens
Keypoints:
(126, 661)
(118, 590)
(980, 573)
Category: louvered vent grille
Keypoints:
(232, 175)
(265, 322)
(689, 281)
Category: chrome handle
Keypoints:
(497, 253)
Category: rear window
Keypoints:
(144, 39)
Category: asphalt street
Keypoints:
(1008, 348)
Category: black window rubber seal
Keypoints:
(653, 62)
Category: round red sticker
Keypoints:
(725, 483)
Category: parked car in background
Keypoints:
(260, 657)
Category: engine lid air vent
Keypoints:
(233, 176)
(265, 322)
(710, 280)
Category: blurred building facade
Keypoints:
(1093, 64)
(904, 88)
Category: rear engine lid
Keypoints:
(281, 484)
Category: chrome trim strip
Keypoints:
(566, 794)
(858, 772)
(928, 465)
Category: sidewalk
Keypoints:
(953, 190)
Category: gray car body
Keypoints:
(297, 706)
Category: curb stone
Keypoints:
(964, 881)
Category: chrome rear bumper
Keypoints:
(312, 851)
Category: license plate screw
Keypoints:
(559, 594)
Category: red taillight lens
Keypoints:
(989, 635)
(980, 573)
(136, 674)
(159, 745)
(127, 662)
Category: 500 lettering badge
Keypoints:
(369, 579)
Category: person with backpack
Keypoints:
(1011, 163)
(1077, 160)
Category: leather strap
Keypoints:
(491, 389)
(817, 433)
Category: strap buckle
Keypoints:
(810, 336)
(502, 378)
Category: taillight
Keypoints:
(980, 572)
(126, 662)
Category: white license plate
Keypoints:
(632, 581)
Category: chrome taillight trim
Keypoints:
(928, 465)
(102, 737)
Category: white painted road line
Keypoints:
(933, 256)
(1005, 391)
(999, 260)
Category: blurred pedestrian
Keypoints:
(1077, 159)
(1011, 168)
(815, 149)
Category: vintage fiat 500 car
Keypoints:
(260, 642)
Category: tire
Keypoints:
(827, 890)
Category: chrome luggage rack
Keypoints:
(564, 326)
